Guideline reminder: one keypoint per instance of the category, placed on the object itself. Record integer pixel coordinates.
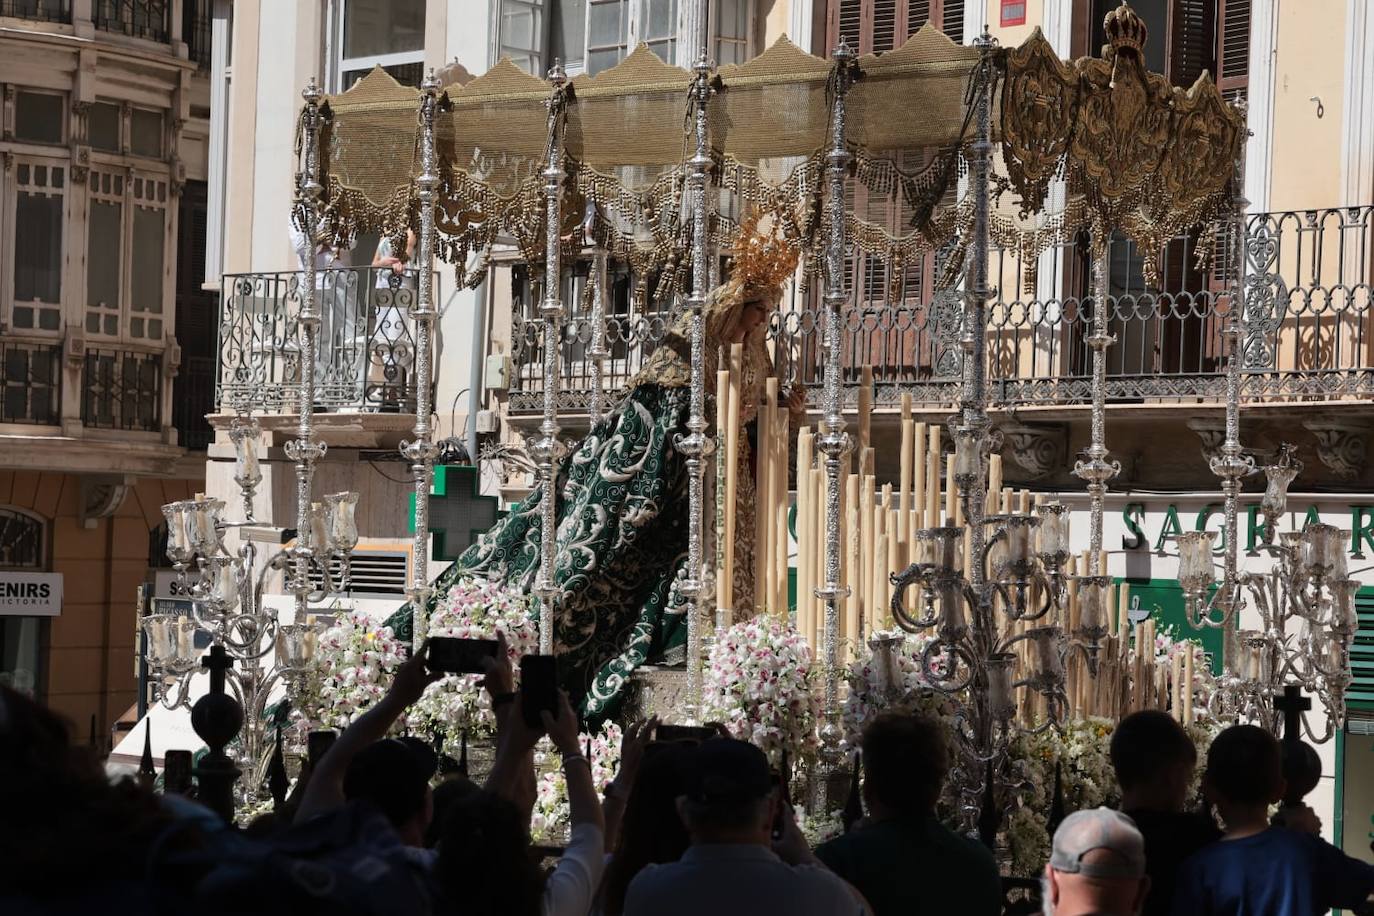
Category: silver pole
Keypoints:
(1096, 470)
(421, 450)
(304, 450)
(833, 442)
(597, 352)
(548, 449)
(1231, 465)
(696, 445)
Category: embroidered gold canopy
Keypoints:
(1135, 154)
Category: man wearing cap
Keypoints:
(731, 811)
(1097, 866)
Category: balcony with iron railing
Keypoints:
(147, 19)
(85, 405)
(1309, 327)
(366, 353)
(38, 10)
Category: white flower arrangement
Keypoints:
(909, 690)
(550, 817)
(759, 684)
(472, 609)
(353, 668)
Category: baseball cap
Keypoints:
(724, 771)
(1099, 828)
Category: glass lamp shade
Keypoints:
(1195, 560)
(222, 578)
(950, 595)
(1053, 532)
(1049, 663)
(319, 529)
(966, 459)
(247, 473)
(946, 547)
(1343, 614)
(1014, 552)
(1321, 550)
(296, 645)
(1001, 702)
(1092, 605)
(178, 516)
(1253, 656)
(204, 525)
(1275, 500)
(340, 509)
(1339, 563)
(171, 642)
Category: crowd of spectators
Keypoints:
(687, 827)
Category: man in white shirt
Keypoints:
(336, 299)
(733, 865)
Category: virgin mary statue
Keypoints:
(622, 501)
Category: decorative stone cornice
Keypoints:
(1036, 450)
(1343, 448)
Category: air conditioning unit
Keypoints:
(488, 421)
(498, 372)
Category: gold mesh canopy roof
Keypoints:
(1136, 153)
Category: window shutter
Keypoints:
(952, 20)
(884, 25)
(844, 21)
(1233, 57)
(917, 15)
(1360, 695)
(1192, 44)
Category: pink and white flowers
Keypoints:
(473, 609)
(759, 684)
(549, 819)
(353, 667)
(873, 690)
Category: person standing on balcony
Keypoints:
(623, 507)
(389, 345)
(333, 281)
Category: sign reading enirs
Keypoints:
(30, 594)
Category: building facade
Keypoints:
(105, 351)
(1303, 69)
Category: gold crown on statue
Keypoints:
(762, 261)
(1125, 29)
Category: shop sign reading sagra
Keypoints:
(30, 594)
(1155, 528)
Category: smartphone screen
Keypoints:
(459, 656)
(684, 733)
(176, 771)
(318, 744)
(538, 687)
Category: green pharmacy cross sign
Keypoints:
(458, 512)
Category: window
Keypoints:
(39, 117)
(881, 25)
(126, 256)
(730, 25)
(139, 18)
(38, 208)
(594, 35)
(102, 126)
(522, 33)
(145, 133)
(607, 28)
(390, 33)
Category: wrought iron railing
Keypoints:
(366, 351)
(150, 19)
(1310, 326)
(30, 383)
(122, 389)
(38, 10)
